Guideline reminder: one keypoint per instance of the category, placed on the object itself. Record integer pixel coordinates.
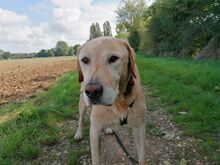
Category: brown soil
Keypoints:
(22, 78)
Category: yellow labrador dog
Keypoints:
(111, 88)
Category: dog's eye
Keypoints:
(113, 59)
(85, 60)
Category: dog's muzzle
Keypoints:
(94, 92)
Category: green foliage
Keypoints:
(45, 53)
(42, 53)
(123, 33)
(167, 28)
(129, 15)
(1, 54)
(183, 27)
(76, 47)
(71, 51)
(61, 49)
(50, 53)
(92, 31)
(1, 51)
(107, 30)
(188, 86)
(95, 31)
(134, 38)
(6, 55)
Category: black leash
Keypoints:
(133, 160)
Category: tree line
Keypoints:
(183, 28)
(61, 49)
(95, 30)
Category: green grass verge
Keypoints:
(34, 123)
(191, 87)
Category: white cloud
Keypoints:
(71, 20)
(66, 16)
(16, 35)
(71, 3)
(11, 18)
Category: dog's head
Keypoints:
(105, 66)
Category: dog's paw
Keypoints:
(78, 136)
(108, 131)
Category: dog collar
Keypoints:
(131, 105)
(125, 120)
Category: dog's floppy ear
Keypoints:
(80, 74)
(131, 62)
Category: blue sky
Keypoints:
(32, 25)
(26, 7)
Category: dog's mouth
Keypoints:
(95, 101)
(98, 102)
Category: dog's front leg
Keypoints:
(95, 139)
(139, 137)
(96, 127)
(82, 109)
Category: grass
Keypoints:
(36, 121)
(191, 87)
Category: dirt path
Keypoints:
(165, 143)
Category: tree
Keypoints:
(95, 31)
(92, 32)
(185, 28)
(1, 53)
(182, 28)
(71, 51)
(42, 53)
(98, 32)
(61, 49)
(50, 53)
(76, 48)
(107, 29)
(134, 38)
(6, 55)
(129, 15)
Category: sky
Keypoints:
(32, 25)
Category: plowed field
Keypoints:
(22, 78)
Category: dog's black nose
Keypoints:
(94, 91)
